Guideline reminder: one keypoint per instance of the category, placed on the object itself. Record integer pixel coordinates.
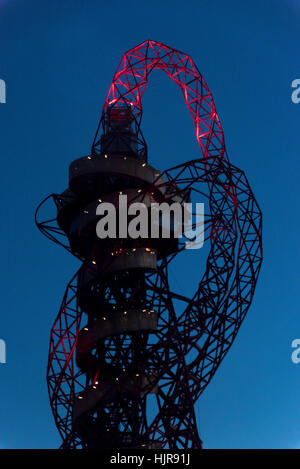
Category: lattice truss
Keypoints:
(194, 333)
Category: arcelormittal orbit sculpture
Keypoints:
(129, 357)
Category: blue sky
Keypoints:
(58, 58)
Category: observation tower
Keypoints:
(129, 357)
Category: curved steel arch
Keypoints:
(130, 81)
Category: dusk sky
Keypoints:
(58, 58)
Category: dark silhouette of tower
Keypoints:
(129, 357)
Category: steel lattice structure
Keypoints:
(143, 341)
